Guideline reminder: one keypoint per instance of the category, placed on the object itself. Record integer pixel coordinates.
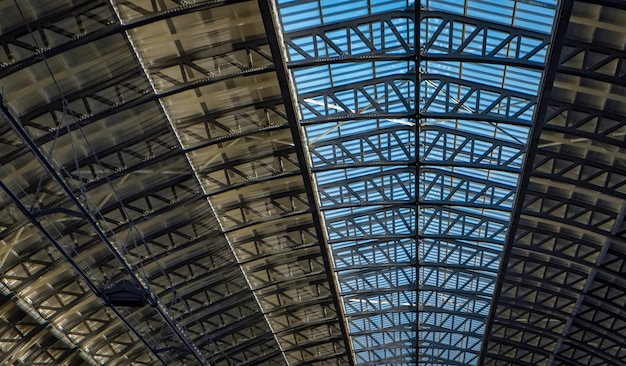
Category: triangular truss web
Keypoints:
(417, 118)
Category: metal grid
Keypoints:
(561, 300)
(152, 143)
(416, 146)
(148, 144)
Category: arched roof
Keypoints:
(311, 182)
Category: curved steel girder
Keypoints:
(186, 286)
(462, 190)
(238, 302)
(379, 291)
(304, 231)
(283, 152)
(438, 172)
(266, 219)
(589, 61)
(331, 356)
(379, 163)
(115, 173)
(453, 164)
(465, 204)
(465, 242)
(61, 182)
(591, 175)
(260, 339)
(585, 122)
(358, 91)
(307, 254)
(602, 226)
(362, 268)
(447, 89)
(125, 204)
(439, 346)
(459, 116)
(537, 331)
(371, 203)
(469, 295)
(388, 346)
(387, 272)
(279, 287)
(353, 34)
(337, 339)
(532, 308)
(128, 86)
(394, 309)
(359, 160)
(252, 45)
(381, 238)
(461, 266)
(396, 328)
(466, 315)
(552, 261)
(473, 31)
(507, 360)
(599, 331)
(383, 173)
(105, 328)
(355, 192)
(400, 141)
(350, 30)
(544, 246)
(142, 99)
(456, 220)
(390, 130)
(408, 77)
(461, 213)
(556, 290)
(311, 324)
(442, 132)
(393, 219)
(346, 117)
(19, 333)
(112, 27)
(373, 243)
(242, 322)
(525, 347)
(427, 328)
(438, 360)
(250, 213)
(253, 180)
(375, 56)
(408, 359)
(264, 360)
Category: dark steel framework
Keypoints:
(562, 285)
(416, 137)
(311, 182)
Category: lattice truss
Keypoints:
(416, 144)
(562, 299)
(146, 143)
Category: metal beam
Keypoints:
(110, 29)
(52, 172)
(269, 14)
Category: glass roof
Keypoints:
(416, 147)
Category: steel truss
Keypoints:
(387, 142)
(559, 302)
(157, 215)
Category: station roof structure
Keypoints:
(313, 182)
